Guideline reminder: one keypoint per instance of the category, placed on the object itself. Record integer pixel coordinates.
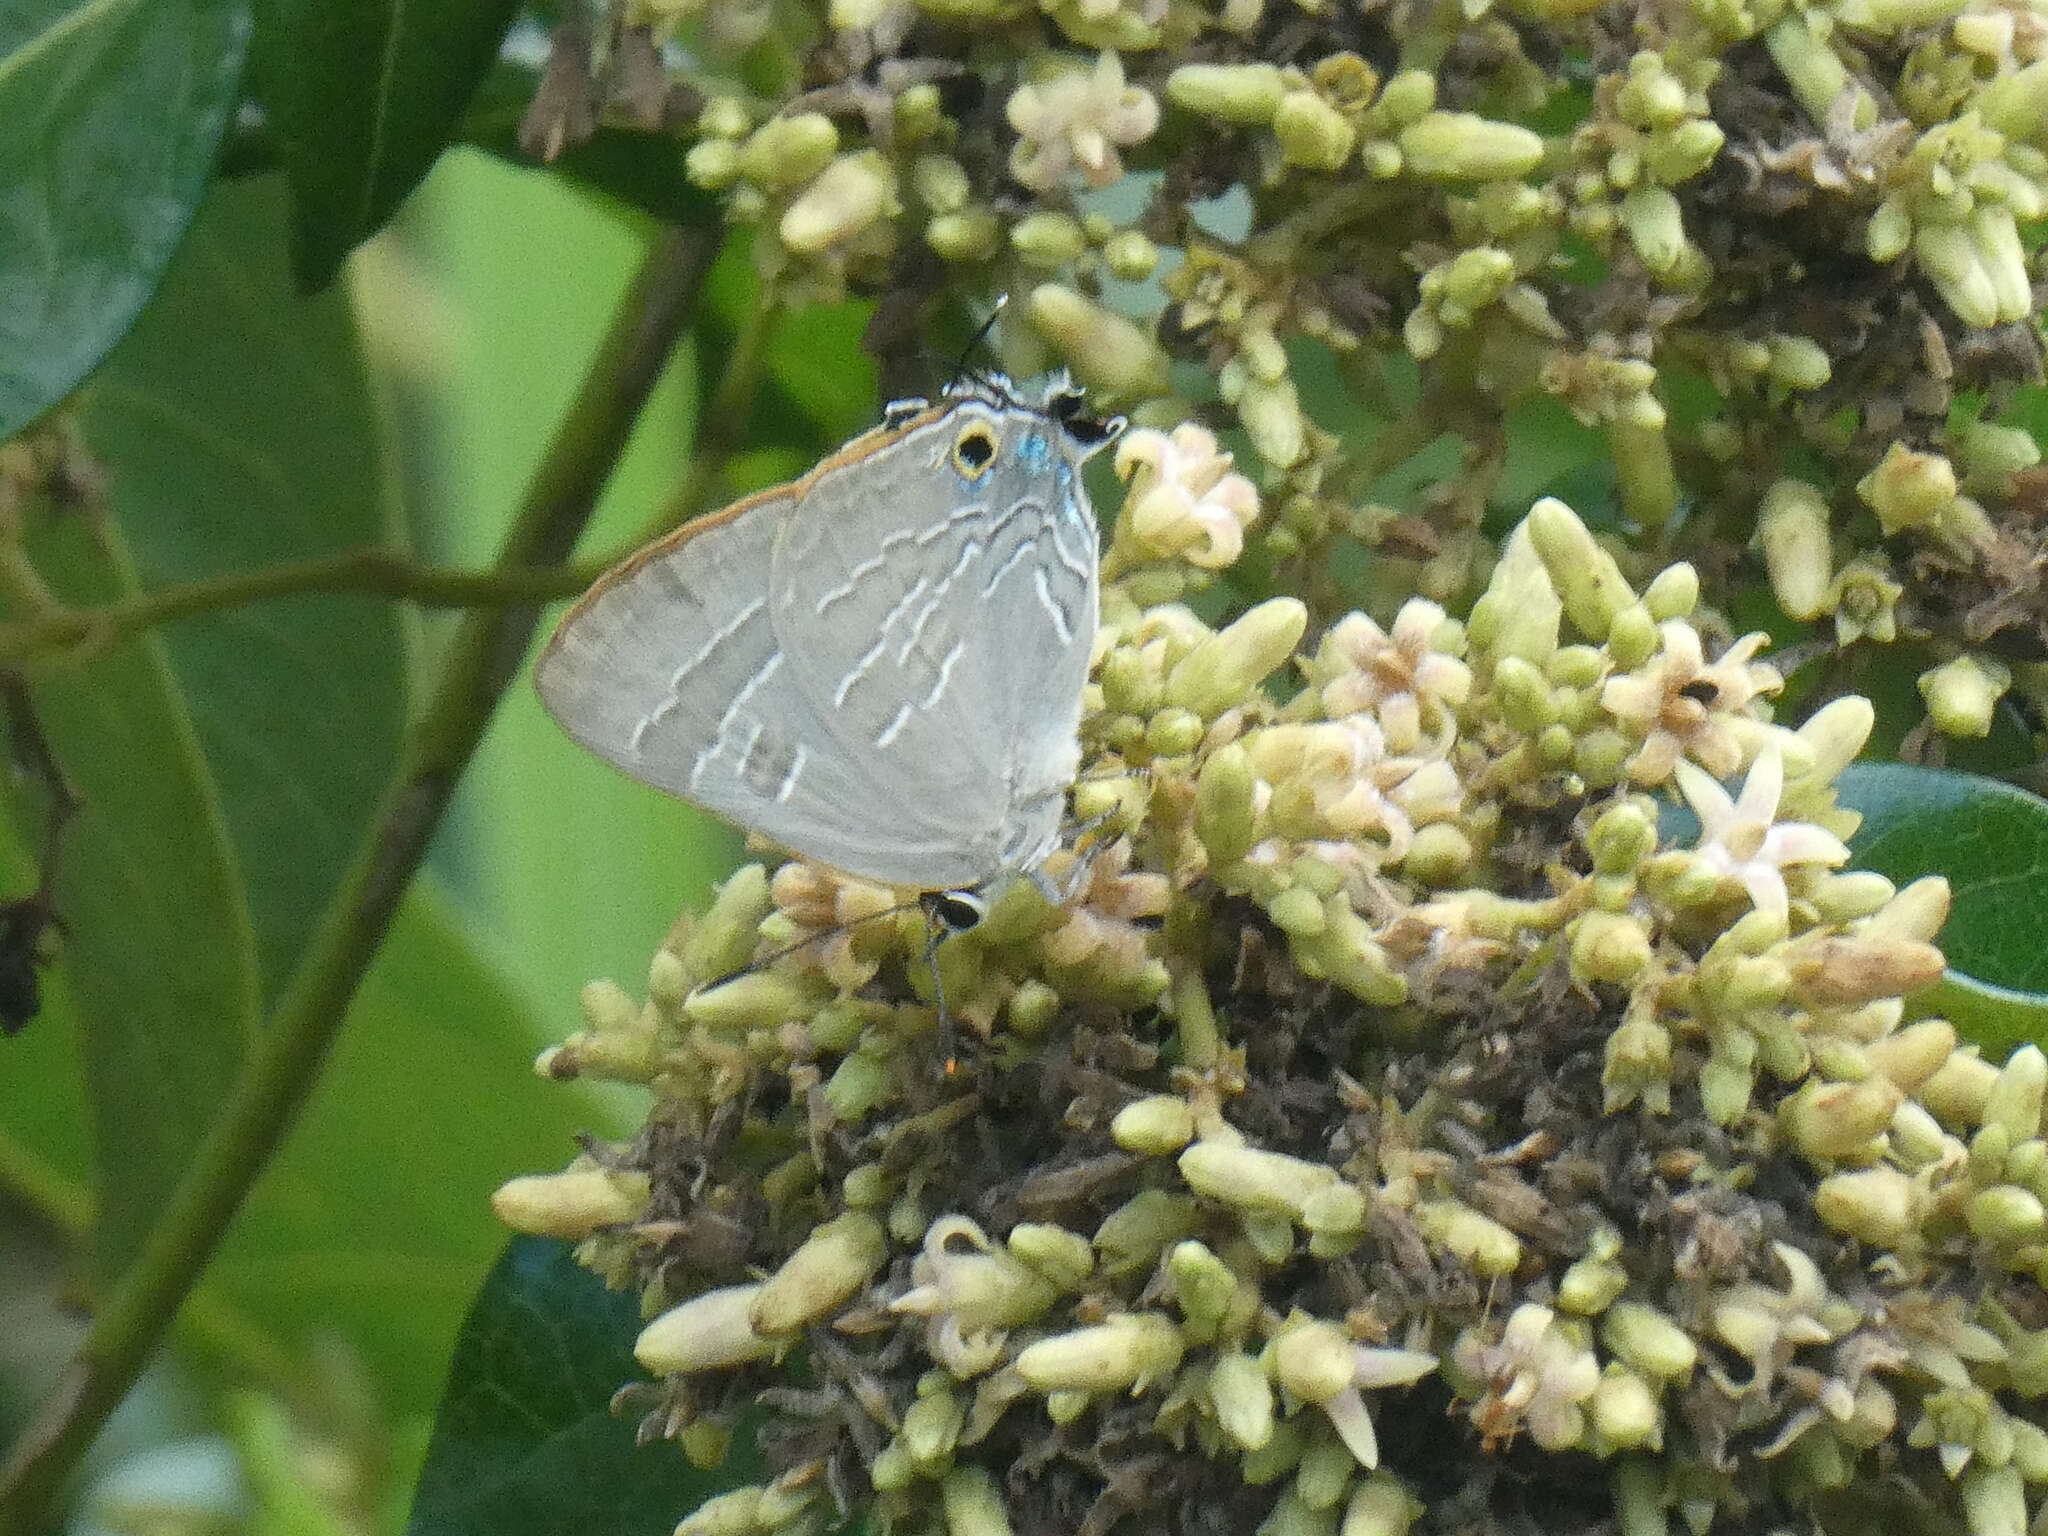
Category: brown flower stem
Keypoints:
(482, 658)
(1279, 247)
(208, 1325)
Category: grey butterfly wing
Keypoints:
(946, 625)
(670, 669)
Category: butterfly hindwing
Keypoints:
(946, 625)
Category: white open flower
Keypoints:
(971, 1291)
(1076, 121)
(1538, 1377)
(1335, 779)
(1319, 1363)
(1412, 687)
(1185, 499)
(1743, 839)
(1375, 1368)
(1680, 705)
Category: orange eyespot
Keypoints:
(974, 450)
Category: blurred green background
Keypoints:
(306, 1369)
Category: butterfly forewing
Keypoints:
(670, 669)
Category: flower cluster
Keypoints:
(1407, 1122)
(1399, 1128)
(1810, 230)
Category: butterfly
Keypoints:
(878, 666)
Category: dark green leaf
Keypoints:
(526, 1444)
(239, 431)
(363, 97)
(157, 939)
(1991, 842)
(374, 1223)
(1888, 676)
(1989, 839)
(110, 112)
(1998, 1019)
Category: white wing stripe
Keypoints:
(895, 727)
(1052, 609)
(873, 653)
(796, 766)
(861, 572)
(945, 674)
(725, 721)
(681, 674)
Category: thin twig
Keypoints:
(286, 1060)
(75, 633)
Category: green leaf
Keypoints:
(526, 1444)
(1991, 842)
(45, 1131)
(239, 430)
(157, 939)
(363, 97)
(374, 1223)
(1997, 1019)
(111, 111)
(45, 1154)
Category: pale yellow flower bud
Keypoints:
(1908, 489)
(1873, 1205)
(1962, 695)
(1221, 671)
(1245, 94)
(1130, 1351)
(1243, 1400)
(572, 1204)
(1154, 1127)
(709, 1332)
(1107, 352)
(1648, 1341)
(828, 1268)
(1312, 133)
(1463, 146)
(851, 193)
(973, 1504)
(786, 152)
(1792, 528)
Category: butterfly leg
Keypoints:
(937, 931)
(1085, 852)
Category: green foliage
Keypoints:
(526, 1442)
(1988, 838)
(229, 766)
(362, 98)
(161, 952)
(111, 114)
(237, 428)
(1991, 841)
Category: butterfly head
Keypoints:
(994, 427)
